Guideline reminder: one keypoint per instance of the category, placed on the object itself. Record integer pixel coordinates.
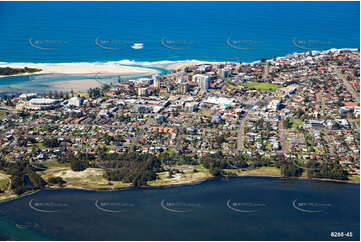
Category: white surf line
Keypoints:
(305, 210)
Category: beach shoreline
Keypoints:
(81, 68)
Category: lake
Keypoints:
(247, 208)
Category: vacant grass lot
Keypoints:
(91, 178)
(354, 178)
(262, 171)
(296, 123)
(262, 86)
(188, 176)
(4, 181)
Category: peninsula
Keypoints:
(293, 116)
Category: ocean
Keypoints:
(247, 208)
(148, 33)
(157, 34)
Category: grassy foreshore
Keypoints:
(94, 179)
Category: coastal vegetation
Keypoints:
(132, 167)
(24, 177)
(112, 171)
(7, 71)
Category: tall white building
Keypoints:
(203, 81)
(156, 83)
(274, 105)
(225, 72)
(76, 101)
(143, 91)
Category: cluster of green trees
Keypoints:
(51, 142)
(56, 180)
(80, 161)
(131, 167)
(217, 162)
(287, 123)
(24, 177)
(221, 161)
(329, 170)
(7, 71)
(94, 92)
(290, 170)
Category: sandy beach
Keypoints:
(82, 68)
(180, 64)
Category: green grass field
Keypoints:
(4, 181)
(263, 86)
(354, 178)
(262, 171)
(296, 123)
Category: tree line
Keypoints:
(7, 71)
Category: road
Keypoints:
(283, 136)
(321, 99)
(266, 71)
(347, 84)
(240, 134)
(140, 135)
(328, 141)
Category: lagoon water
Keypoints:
(222, 209)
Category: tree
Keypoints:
(216, 171)
(56, 180)
(78, 165)
(51, 142)
(220, 139)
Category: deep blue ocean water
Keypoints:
(60, 32)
